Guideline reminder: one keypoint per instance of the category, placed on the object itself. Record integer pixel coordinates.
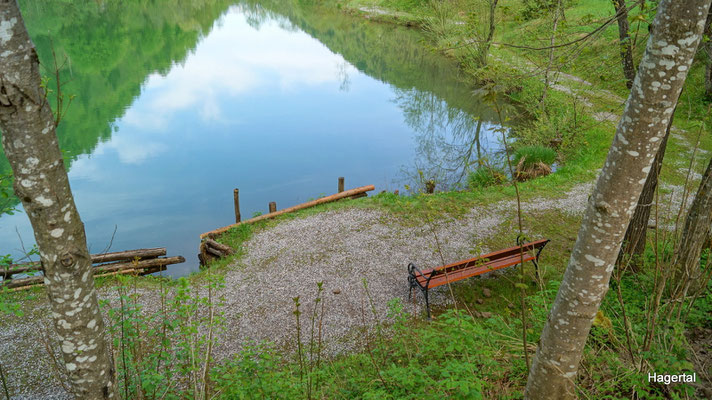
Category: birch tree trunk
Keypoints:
(30, 143)
(656, 88)
(626, 49)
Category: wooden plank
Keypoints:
(489, 256)
(327, 199)
(468, 273)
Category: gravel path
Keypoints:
(340, 248)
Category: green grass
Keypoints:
(456, 355)
(532, 155)
(582, 144)
(485, 176)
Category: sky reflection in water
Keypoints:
(269, 110)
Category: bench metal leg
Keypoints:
(427, 302)
(536, 270)
(425, 294)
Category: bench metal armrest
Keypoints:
(541, 248)
(412, 269)
(521, 240)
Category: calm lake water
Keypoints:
(177, 105)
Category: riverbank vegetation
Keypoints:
(566, 100)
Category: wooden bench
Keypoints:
(445, 274)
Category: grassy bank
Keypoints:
(474, 349)
(460, 355)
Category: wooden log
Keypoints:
(357, 196)
(219, 246)
(122, 272)
(143, 254)
(150, 268)
(236, 195)
(141, 264)
(341, 184)
(128, 255)
(6, 273)
(17, 289)
(327, 199)
(15, 283)
(210, 250)
(149, 271)
(272, 207)
(217, 253)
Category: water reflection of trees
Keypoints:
(110, 48)
(449, 141)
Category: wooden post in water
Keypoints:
(236, 194)
(341, 184)
(272, 206)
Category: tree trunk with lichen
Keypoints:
(650, 105)
(30, 143)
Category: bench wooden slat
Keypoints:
(455, 276)
(444, 274)
(495, 255)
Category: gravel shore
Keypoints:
(343, 249)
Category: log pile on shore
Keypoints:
(137, 262)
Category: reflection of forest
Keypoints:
(110, 47)
(450, 141)
(453, 126)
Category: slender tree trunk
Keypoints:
(708, 50)
(695, 233)
(484, 51)
(625, 44)
(634, 240)
(552, 42)
(41, 183)
(656, 89)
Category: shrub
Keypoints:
(533, 161)
(530, 155)
(485, 176)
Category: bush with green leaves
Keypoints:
(166, 354)
(536, 8)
